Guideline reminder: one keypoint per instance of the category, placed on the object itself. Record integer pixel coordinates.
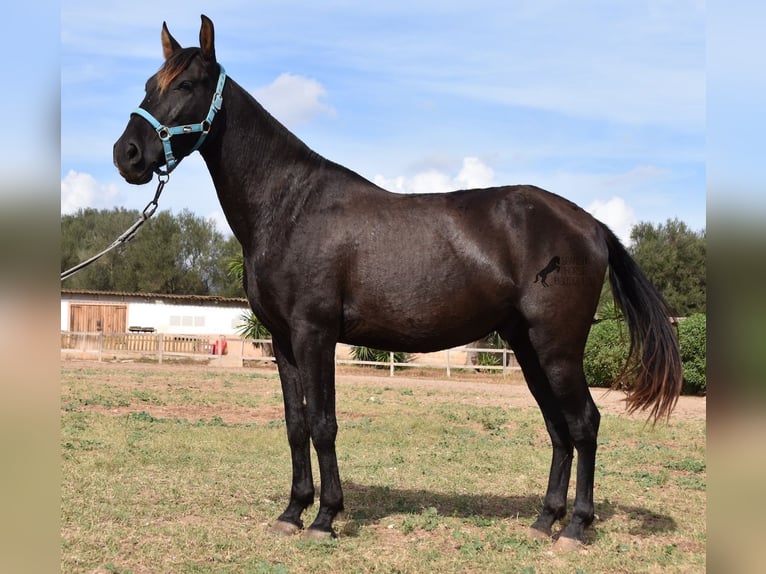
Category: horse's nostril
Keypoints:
(132, 151)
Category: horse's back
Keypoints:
(504, 231)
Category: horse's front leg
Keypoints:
(302, 491)
(315, 353)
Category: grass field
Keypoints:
(181, 469)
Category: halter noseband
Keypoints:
(165, 133)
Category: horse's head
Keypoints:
(181, 101)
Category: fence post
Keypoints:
(391, 362)
(160, 345)
(100, 345)
(504, 360)
(449, 373)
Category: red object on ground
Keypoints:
(220, 347)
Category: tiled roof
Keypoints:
(163, 296)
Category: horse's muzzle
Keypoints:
(131, 163)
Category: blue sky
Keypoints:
(601, 102)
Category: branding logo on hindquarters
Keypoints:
(568, 271)
(553, 265)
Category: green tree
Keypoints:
(86, 233)
(203, 254)
(150, 263)
(674, 259)
(182, 254)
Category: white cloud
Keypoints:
(294, 99)
(80, 190)
(473, 174)
(616, 214)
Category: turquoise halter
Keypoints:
(165, 133)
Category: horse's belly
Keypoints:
(429, 327)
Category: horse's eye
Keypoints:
(186, 86)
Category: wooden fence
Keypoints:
(161, 346)
(447, 360)
(158, 345)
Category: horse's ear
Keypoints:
(169, 44)
(207, 39)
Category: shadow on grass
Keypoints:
(371, 503)
(643, 522)
(368, 504)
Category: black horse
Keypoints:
(331, 257)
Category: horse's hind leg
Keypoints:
(552, 367)
(582, 418)
(555, 503)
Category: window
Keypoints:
(187, 320)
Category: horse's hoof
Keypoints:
(565, 544)
(538, 534)
(282, 528)
(316, 534)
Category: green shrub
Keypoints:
(491, 341)
(378, 356)
(250, 327)
(692, 339)
(605, 352)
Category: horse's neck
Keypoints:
(257, 166)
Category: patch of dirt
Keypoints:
(514, 393)
(508, 392)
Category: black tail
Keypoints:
(654, 370)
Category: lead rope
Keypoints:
(129, 233)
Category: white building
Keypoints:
(90, 311)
